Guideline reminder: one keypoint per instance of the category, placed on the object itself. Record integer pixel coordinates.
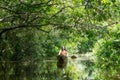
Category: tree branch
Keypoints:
(117, 22)
(7, 18)
(108, 25)
(3, 30)
(60, 11)
(5, 8)
(10, 28)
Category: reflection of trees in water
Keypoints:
(26, 70)
(38, 70)
(41, 70)
(90, 67)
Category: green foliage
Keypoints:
(107, 54)
(32, 30)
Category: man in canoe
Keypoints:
(63, 51)
(62, 58)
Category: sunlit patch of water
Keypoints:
(84, 64)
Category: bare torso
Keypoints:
(63, 52)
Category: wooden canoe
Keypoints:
(62, 61)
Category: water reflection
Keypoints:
(27, 70)
(45, 70)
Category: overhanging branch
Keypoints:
(108, 25)
(3, 30)
(60, 11)
(117, 22)
(10, 10)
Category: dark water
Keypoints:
(45, 69)
(27, 70)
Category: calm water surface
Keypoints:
(46, 69)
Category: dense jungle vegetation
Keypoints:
(33, 30)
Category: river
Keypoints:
(80, 68)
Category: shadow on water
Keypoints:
(27, 70)
(44, 70)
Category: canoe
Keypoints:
(62, 61)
